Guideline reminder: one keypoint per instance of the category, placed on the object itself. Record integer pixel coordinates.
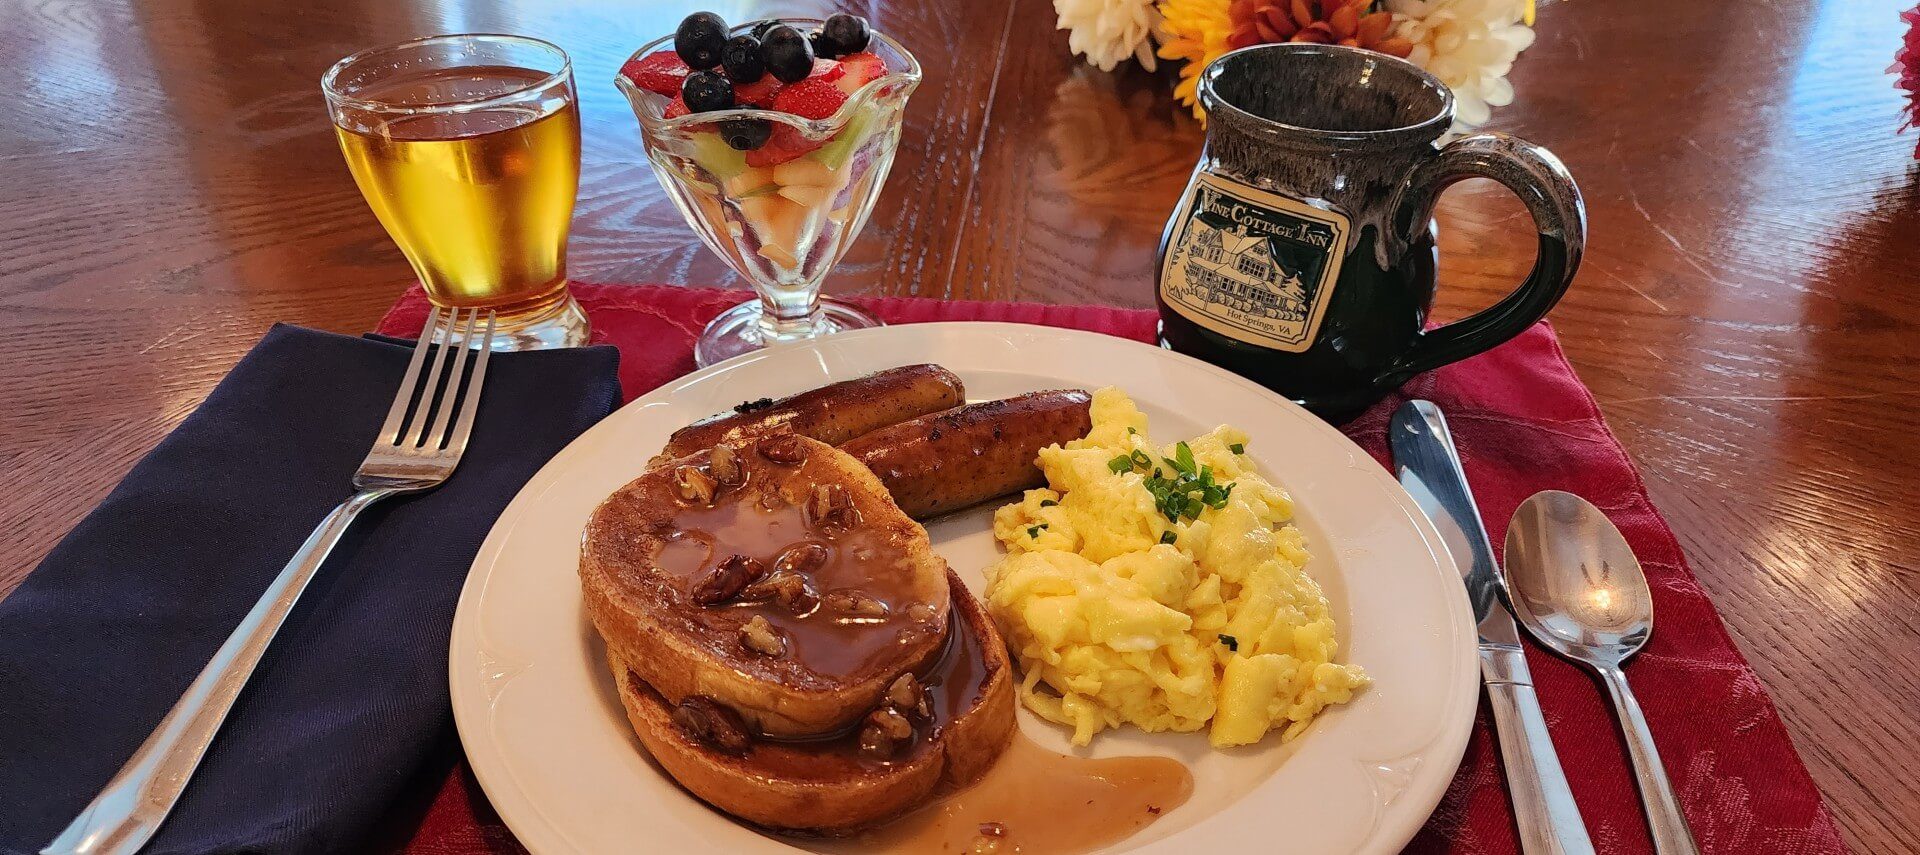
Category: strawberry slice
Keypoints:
(676, 109)
(660, 71)
(825, 69)
(759, 93)
(812, 98)
(859, 69)
(785, 144)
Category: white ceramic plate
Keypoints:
(548, 740)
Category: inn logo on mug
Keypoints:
(1251, 264)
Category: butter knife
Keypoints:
(1429, 468)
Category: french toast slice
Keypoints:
(773, 575)
(829, 787)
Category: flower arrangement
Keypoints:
(1469, 44)
(1906, 64)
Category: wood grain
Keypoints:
(1747, 315)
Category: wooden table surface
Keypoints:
(1748, 313)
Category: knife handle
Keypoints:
(1543, 805)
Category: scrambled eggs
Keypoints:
(1162, 588)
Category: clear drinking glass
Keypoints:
(782, 226)
(467, 147)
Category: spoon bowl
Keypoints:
(1577, 587)
(1575, 582)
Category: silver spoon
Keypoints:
(1577, 587)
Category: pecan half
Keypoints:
(791, 591)
(726, 581)
(693, 485)
(906, 693)
(913, 633)
(854, 604)
(785, 449)
(831, 507)
(804, 557)
(706, 720)
(724, 465)
(883, 732)
(759, 636)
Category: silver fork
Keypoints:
(416, 450)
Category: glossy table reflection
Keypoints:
(1747, 315)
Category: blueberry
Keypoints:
(787, 54)
(746, 134)
(759, 31)
(699, 39)
(741, 58)
(842, 34)
(706, 90)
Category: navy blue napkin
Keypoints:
(351, 700)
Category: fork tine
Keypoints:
(442, 408)
(431, 393)
(457, 443)
(397, 414)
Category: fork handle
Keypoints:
(125, 815)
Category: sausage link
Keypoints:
(967, 455)
(831, 414)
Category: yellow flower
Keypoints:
(1195, 31)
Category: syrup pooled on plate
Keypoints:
(1038, 802)
(1032, 800)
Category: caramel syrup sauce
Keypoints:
(760, 521)
(954, 684)
(1033, 800)
(1038, 802)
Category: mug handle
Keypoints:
(1542, 182)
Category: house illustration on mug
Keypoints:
(1239, 271)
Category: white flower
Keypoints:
(1108, 32)
(1470, 45)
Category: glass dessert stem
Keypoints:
(749, 326)
(789, 316)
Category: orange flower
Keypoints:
(1340, 22)
(1195, 31)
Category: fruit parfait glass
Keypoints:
(773, 138)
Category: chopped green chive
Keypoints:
(1189, 491)
(1232, 643)
(1168, 536)
(1034, 530)
(1048, 503)
(1237, 448)
(1120, 464)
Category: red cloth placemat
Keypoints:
(1523, 423)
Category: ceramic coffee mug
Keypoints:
(1302, 253)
